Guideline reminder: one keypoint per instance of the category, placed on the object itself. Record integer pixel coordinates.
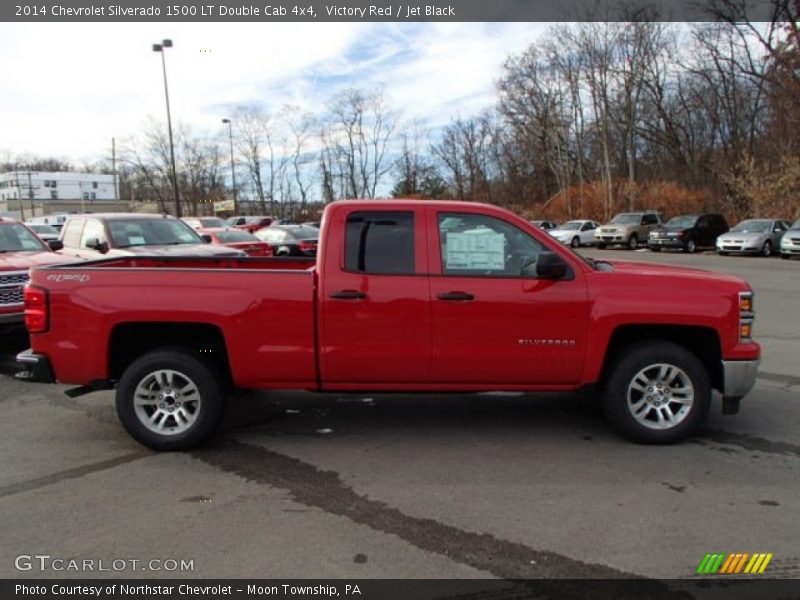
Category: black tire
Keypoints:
(210, 409)
(601, 245)
(576, 242)
(766, 249)
(655, 249)
(637, 358)
(722, 253)
(689, 246)
(633, 241)
(785, 256)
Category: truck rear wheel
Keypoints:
(657, 393)
(170, 400)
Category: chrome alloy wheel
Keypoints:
(167, 402)
(660, 396)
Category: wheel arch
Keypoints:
(131, 340)
(703, 342)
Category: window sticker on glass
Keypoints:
(136, 240)
(477, 249)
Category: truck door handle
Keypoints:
(348, 295)
(456, 296)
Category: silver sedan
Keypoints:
(575, 233)
(753, 236)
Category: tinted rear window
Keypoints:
(380, 242)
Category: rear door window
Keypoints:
(380, 243)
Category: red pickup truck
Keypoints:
(403, 296)
(20, 249)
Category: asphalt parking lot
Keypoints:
(410, 486)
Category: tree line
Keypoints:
(590, 119)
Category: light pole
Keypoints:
(160, 48)
(233, 166)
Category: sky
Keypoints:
(67, 89)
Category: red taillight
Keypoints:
(308, 246)
(258, 250)
(37, 318)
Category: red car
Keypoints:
(20, 249)
(236, 238)
(249, 224)
(422, 296)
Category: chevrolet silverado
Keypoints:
(402, 296)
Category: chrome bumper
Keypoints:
(740, 377)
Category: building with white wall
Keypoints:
(28, 193)
(61, 185)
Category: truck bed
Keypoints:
(263, 308)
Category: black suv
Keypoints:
(688, 232)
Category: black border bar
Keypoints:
(396, 11)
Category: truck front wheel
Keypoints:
(657, 393)
(170, 400)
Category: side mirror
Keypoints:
(55, 245)
(206, 238)
(549, 266)
(96, 244)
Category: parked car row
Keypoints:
(688, 233)
(260, 235)
(115, 235)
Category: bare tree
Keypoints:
(360, 125)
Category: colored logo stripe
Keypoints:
(711, 563)
(738, 562)
(758, 563)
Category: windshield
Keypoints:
(571, 225)
(796, 224)
(626, 219)
(151, 232)
(211, 222)
(682, 222)
(754, 226)
(16, 238)
(235, 235)
(44, 229)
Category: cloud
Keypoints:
(68, 89)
